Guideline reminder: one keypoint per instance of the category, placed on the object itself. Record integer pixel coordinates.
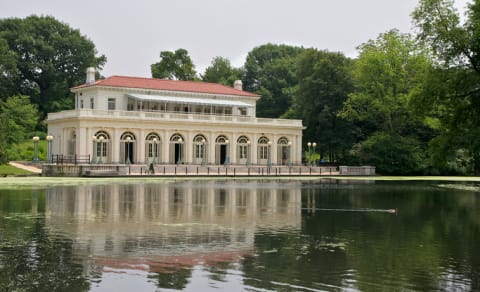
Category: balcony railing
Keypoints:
(170, 116)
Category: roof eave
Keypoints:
(84, 86)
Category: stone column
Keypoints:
(274, 148)
(188, 144)
(115, 145)
(211, 148)
(233, 149)
(165, 136)
(253, 148)
(80, 141)
(140, 148)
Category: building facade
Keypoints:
(145, 120)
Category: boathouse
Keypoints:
(132, 120)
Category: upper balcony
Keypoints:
(172, 116)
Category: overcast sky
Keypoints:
(132, 33)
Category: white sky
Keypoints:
(132, 33)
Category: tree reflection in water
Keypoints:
(30, 258)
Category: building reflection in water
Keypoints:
(155, 227)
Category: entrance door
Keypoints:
(178, 155)
(223, 153)
(128, 153)
(284, 155)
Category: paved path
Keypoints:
(32, 168)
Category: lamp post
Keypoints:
(155, 150)
(269, 152)
(49, 148)
(203, 151)
(289, 161)
(94, 152)
(180, 141)
(35, 148)
(226, 154)
(248, 152)
(128, 139)
(314, 153)
(100, 140)
(309, 144)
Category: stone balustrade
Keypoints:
(170, 116)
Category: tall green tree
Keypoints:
(221, 71)
(17, 118)
(8, 69)
(452, 92)
(386, 73)
(324, 82)
(270, 72)
(44, 59)
(174, 66)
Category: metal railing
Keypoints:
(71, 159)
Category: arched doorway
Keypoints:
(283, 151)
(243, 150)
(72, 143)
(153, 148)
(177, 149)
(222, 150)
(127, 148)
(102, 147)
(263, 150)
(199, 149)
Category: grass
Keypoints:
(6, 170)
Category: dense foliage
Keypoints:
(174, 66)
(386, 73)
(451, 94)
(43, 58)
(270, 71)
(40, 60)
(17, 117)
(324, 82)
(221, 71)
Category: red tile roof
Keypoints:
(169, 85)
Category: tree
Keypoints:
(174, 66)
(270, 72)
(386, 73)
(221, 71)
(8, 69)
(324, 82)
(452, 93)
(44, 59)
(17, 117)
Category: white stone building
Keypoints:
(143, 120)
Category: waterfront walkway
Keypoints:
(169, 170)
(35, 168)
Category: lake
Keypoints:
(241, 235)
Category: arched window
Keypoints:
(152, 148)
(102, 146)
(243, 145)
(199, 149)
(283, 141)
(176, 138)
(263, 147)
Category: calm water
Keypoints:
(243, 235)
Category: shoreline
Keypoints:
(43, 182)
